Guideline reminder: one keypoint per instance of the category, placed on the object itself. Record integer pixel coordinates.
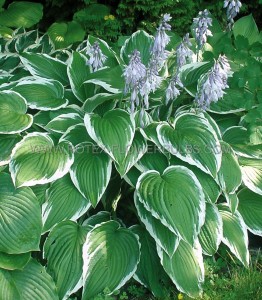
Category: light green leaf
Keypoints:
(114, 132)
(7, 143)
(251, 173)
(61, 123)
(185, 268)
(42, 94)
(211, 232)
(175, 198)
(149, 271)
(45, 66)
(36, 160)
(165, 238)
(235, 234)
(13, 117)
(193, 140)
(19, 232)
(250, 208)
(63, 202)
(13, 261)
(111, 255)
(21, 14)
(229, 175)
(91, 172)
(63, 251)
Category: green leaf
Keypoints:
(63, 251)
(141, 41)
(247, 27)
(21, 14)
(235, 234)
(40, 192)
(42, 94)
(251, 173)
(185, 268)
(114, 132)
(63, 202)
(7, 143)
(250, 208)
(229, 175)
(149, 271)
(34, 283)
(65, 34)
(76, 134)
(175, 198)
(61, 123)
(78, 73)
(211, 232)
(19, 232)
(135, 152)
(13, 117)
(101, 216)
(13, 261)
(36, 160)
(98, 99)
(193, 140)
(45, 66)
(111, 255)
(232, 201)
(91, 172)
(165, 238)
(8, 289)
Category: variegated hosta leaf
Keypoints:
(63, 251)
(165, 238)
(42, 94)
(61, 123)
(31, 283)
(114, 132)
(193, 140)
(211, 232)
(229, 175)
(175, 198)
(111, 255)
(235, 233)
(210, 188)
(185, 268)
(76, 134)
(7, 143)
(64, 202)
(20, 222)
(135, 152)
(36, 160)
(150, 133)
(13, 116)
(251, 173)
(232, 201)
(250, 208)
(14, 261)
(43, 65)
(91, 171)
(102, 216)
(149, 272)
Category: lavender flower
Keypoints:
(161, 39)
(211, 86)
(134, 74)
(172, 91)
(200, 27)
(233, 8)
(96, 57)
(183, 53)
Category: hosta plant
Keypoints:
(128, 163)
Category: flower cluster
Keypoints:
(172, 91)
(96, 57)
(200, 27)
(211, 86)
(183, 52)
(233, 8)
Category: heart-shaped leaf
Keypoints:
(36, 160)
(111, 255)
(175, 198)
(64, 202)
(91, 172)
(114, 132)
(19, 232)
(13, 117)
(193, 140)
(63, 251)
